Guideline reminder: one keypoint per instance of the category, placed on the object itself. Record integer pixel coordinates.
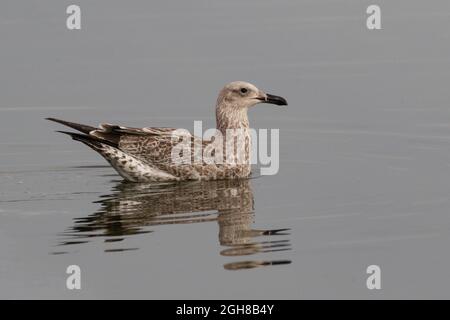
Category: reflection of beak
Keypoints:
(270, 98)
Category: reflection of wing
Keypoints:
(132, 207)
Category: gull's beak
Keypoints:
(270, 98)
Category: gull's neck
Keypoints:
(229, 117)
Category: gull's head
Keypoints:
(240, 94)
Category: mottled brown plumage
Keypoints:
(147, 154)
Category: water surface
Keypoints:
(364, 150)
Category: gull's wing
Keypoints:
(151, 145)
(155, 146)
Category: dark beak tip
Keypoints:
(280, 101)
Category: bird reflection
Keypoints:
(132, 208)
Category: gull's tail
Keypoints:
(90, 141)
(128, 166)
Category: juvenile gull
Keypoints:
(145, 154)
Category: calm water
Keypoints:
(364, 150)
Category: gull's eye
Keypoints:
(244, 90)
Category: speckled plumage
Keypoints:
(145, 154)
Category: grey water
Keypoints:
(364, 174)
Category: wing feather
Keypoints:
(154, 146)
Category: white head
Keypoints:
(234, 100)
(242, 95)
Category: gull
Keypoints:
(146, 154)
